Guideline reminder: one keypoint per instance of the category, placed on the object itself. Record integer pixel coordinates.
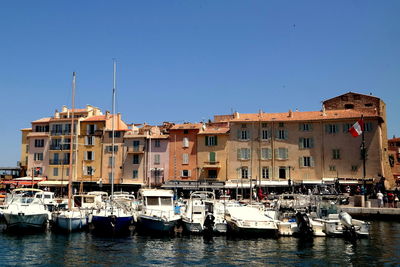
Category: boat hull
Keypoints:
(152, 224)
(71, 224)
(192, 227)
(253, 231)
(111, 223)
(26, 221)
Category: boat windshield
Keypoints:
(152, 201)
(166, 201)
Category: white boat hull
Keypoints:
(71, 222)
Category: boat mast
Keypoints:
(113, 128)
(71, 142)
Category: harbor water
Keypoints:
(85, 248)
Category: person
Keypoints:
(385, 200)
(379, 196)
(348, 189)
(396, 200)
(390, 197)
(358, 190)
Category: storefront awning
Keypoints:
(53, 183)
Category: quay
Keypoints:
(373, 212)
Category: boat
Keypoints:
(249, 220)
(113, 217)
(204, 214)
(157, 213)
(25, 211)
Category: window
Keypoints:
(354, 168)
(67, 172)
(90, 129)
(306, 143)
(42, 128)
(117, 134)
(110, 161)
(39, 142)
(38, 171)
(243, 153)
(135, 174)
(331, 128)
(306, 161)
(212, 173)
(38, 156)
(335, 154)
(368, 126)
(89, 155)
(89, 170)
(332, 168)
(185, 142)
(56, 129)
(185, 173)
(244, 172)
(89, 140)
(212, 157)
(265, 173)
(185, 131)
(211, 140)
(281, 153)
(282, 172)
(346, 127)
(264, 134)
(109, 148)
(243, 135)
(368, 105)
(305, 127)
(55, 172)
(157, 143)
(185, 158)
(266, 153)
(135, 159)
(157, 159)
(348, 106)
(281, 134)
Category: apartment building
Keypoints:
(394, 158)
(183, 151)
(212, 144)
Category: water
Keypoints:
(382, 248)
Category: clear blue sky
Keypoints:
(188, 60)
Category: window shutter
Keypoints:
(181, 173)
(311, 142)
(206, 140)
(286, 153)
(212, 157)
(238, 154)
(85, 170)
(312, 163)
(327, 128)
(249, 173)
(216, 140)
(95, 127)
(277, 134)
(286, 134)
(189, 173)
(287, 173)
(86, 155)
(86, 140)
(248, 134)
(93, 140)
(93, 155)
(300, 126)
(248, 154)
(269, 153)
(238, 134)
(301, 144)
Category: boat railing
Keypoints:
(159, 213)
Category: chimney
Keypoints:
(290, 114)
(64, 109)
(236, 115)
(323, 111)
(107, 114)
(56, 114)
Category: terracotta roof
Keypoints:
(304, 116)
(215, 130)
(394, 139)
(187, 126)
(96, 118)
(75, 110)
(158, 136)
(42, 120)
(26, 129)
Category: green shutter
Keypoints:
(206, 140)
(285, 134)
(216, 140)
(212, 156)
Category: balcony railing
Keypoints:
(136, 149)
(64, 132)
(60, 147)
(58, 161)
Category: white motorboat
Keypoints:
(249, 220)
(25, 211)
(203, 213)
(342, 225)
(157, 213)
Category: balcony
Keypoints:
(58, 161)
(60, 147)
(212, 165)
(136, 149)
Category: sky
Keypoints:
(189, 60)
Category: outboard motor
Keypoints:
(349, 229)
(209, 223)
(303, 225)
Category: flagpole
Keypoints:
(363, 157)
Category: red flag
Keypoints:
(357, 128)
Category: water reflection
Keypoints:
(85, 248)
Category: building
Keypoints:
(394, 158)
(308, 147)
